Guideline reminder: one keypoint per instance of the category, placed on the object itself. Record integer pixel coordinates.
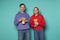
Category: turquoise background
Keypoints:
(50, 9)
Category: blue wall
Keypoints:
(50, 9)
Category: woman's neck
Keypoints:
(36, 14)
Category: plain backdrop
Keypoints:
(50, 9)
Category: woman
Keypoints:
(37, 22)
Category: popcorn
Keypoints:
(23, 20)
(35, 20)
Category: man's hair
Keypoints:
(21, 4)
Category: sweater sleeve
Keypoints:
(28, 18)
(31, 22)
(16, 20)
(42, 22)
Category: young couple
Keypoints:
(23, 23)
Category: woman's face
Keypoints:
(36, 11)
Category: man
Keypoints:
(22, 23)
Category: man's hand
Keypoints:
(23, 20)
(20, 19)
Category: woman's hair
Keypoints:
(37, 9)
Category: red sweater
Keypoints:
(40, 20)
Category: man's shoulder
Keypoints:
(27, 14)
(17, 13)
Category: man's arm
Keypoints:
(28, 18)
(16, 20)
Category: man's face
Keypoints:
(35, 10)
(22, 8)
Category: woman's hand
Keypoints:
(35, 24)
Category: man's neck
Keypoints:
(22, 12)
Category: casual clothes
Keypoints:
(38, 35)
(24, 34)
(38, 30)
(19, 25)
(41, 22)
(22, 29)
